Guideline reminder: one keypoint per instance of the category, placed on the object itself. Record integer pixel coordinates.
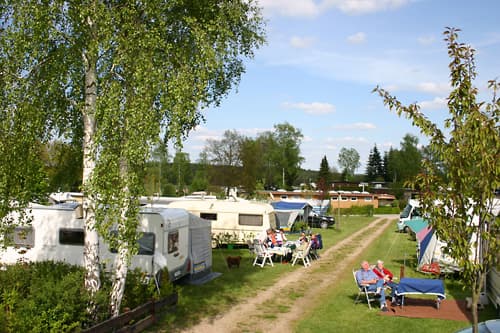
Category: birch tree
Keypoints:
(117, 74)
(460, 203)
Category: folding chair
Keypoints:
(363, 292)
(302, 255)
(313, 253)
(262, 255)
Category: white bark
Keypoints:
(91, 250)
(122, 258)
(120, 277)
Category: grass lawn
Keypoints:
(234, 285)
(337, 312)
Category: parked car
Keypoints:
(320, 221)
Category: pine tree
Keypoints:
(374, 169)
(324, 175)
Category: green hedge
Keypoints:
(387, 210)
(368, 210)
(50, 297)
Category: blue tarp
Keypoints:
(409, 286)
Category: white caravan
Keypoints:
(233, 221)
(411, 211)
(57, 233)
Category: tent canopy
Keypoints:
(416, 224)
(287, 205)
(288, 211)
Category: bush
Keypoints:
(387, 210)
(358, 210)
(42, 297)
(298, 226)
(50, 297)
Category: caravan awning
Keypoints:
(287, 212)
(287, 205)
(416, 224)
(422, 233)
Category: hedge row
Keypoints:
(50, 297)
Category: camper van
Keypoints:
(411, 211)
(233, 221)
(171, 238)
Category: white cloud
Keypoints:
(356, 126)
(352, 139)
(426, 40)
(311, 8)
(316, 108)
(301, 42)
(434, 88)
(295, 8)
(357, 38)
(201, 133)
(355, 7)
(435, 104)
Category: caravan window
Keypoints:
(209, 216)
(23, 237)
(146, 244)
(71, 236)
(173, 241)
(247, 219)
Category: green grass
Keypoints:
(336, 310)
(196, 302)
(338, 313)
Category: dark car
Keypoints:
(320, 221)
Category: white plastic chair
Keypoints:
(302, 255)
(262, 255)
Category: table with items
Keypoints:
(284, 251)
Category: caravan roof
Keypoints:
(175, 217)
(223, 206)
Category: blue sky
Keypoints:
(323, 58)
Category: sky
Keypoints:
(323, 58)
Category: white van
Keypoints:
(411, 211)
(233, 222)
(57, 233)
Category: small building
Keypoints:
(337, 199)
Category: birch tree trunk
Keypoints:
(122, 259)
(91, 249)
(121, 270)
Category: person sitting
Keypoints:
(271, 238)
(303, 238)
(314, 246)
(386, 275)
(314, 242)
(366, 277)
(280, 237)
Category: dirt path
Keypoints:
(256, 313)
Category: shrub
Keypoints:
(50, 297)
(387, 210)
